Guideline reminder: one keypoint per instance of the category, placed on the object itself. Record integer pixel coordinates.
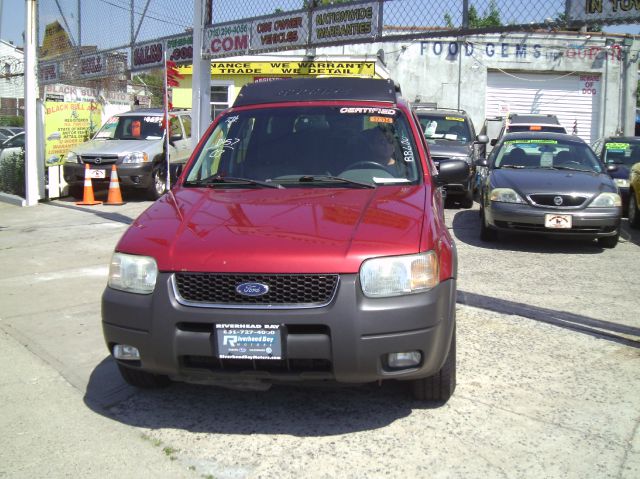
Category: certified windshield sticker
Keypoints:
(531, 142)
(407, 151)
(381, 119)
(453, 118)
(153, 119)
(369, 111)
(617, 146)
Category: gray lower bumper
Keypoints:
(345, 341)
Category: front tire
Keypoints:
(142, 379)
(609, 241)
(441, 385)
(158, 185)
(633, 215)
(486, 232)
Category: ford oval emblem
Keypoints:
(252, 289)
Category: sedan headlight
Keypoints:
(71, 158)
(399, 275)
(606, 200)
(134, 274)
(621, 182)
(505, 195)
(135, 157)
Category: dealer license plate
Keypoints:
(97, 174)
(249, 341)
(557, 221)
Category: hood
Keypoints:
(296, 230)
(115, 147)
(547, 181)
(622, 172)
(448, 148)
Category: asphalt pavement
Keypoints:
(548, 373)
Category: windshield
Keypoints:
(624, 153)
(544, 153)
(306, 146)
(450, 127)
(131, 128)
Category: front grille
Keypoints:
(284, 289)
(284, 366)
(568, 201)
(104, 159)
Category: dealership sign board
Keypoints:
(603, 10)
(339, 24)
(92, 66)
(148, 55)
(226, 39)
(294, 68)
(284, 31)
(180, 49)
(48, 73)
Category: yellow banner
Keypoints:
(290, 68)
(68, 124)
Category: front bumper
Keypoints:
(594, 223)
(345, 341)
(129, 175)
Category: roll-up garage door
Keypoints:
(574, 98)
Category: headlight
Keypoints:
(135, 157)
(606, 200)
(399, 275)
(71, 158)
(505, 195)
(134, 274)
(621, 182)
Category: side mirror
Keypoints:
(173, 138)
(493, 142)
(452, 171)
(482, 162)
(482, 139)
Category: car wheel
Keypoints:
(467, 199)
(609, 241)
(158, 184)
(634, 216)
(441, 385)
(486, 232)
(143, 379)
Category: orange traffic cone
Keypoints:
(115, 197)
(87, 197)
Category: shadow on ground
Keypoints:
(309, 410)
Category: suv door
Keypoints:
(181, 138)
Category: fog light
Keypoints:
(126, 352)
(404, 360)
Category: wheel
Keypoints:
(158, 184)
(633, 215)
(441, 385)
(367, 164)
(76, 191)
(486, 232)
(609, 241)
(467, 199)
(143, 379)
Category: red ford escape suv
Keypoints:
(304, 240)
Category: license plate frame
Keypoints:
(250, 341)
(97, 174)
(558, 221)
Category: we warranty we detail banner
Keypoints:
(68, 124)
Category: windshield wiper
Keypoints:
(515, 167)
(570, 169)
(325, 178)
(219, 179)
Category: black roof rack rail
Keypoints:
(308, 89)
(434, 106)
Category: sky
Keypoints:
(12, 21)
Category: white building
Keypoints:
(11, 80)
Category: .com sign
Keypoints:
(225, 40)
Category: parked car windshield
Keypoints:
(622, 153)
(546, 153)
(452, 127)
(310, 145)
(131, 128)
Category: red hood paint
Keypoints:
(296, 230)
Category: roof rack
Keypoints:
(434, 106)
(309, 89)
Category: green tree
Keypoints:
(319, 3)
(491, 17)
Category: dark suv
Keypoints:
(451, 136)
(305, 240)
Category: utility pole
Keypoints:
(30, 105)
(201, 74)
